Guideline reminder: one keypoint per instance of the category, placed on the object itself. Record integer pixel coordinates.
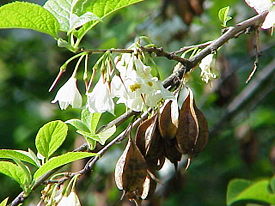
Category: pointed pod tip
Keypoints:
(188, 163)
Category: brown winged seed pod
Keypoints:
(168, 125)
(168, 119)
(192, 133)
(131, 173)
(150, 143)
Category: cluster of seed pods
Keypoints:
(174, 130)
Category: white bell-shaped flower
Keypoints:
(68, 94)
(261, 6)
(70, 200)
(100, 99)
(269, 19)
(206, 65)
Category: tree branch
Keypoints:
(172, 80)
(158, 51)
(229, 34)
(199, 46)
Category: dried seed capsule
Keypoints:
(168, 119)
(131, 171)
(192, 133)
(150, 143)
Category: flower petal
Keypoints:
(269, 19)
(68, 94)
(100, 99)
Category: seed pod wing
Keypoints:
(168, 119)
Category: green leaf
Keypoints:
(78, 21)
(91, 143)
(61, 160)
(28, 182)
(18, 154)
(63, 11)
(90, 119)
(243, 190)
(100, 137)
(86, 117)
(100, 8)
(34, 157)
(89, 135)
(50, 137)
(14, 171)
(4, 202)
(223, 15)
(94, 121)
(272, 185)
(106, 134)
(78, 124)
(28, 16)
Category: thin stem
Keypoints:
(99, 51)
(64, 66)
(77, 65)
(157, 51)
(56, 79)
(91, 80)
(199, 46)
(85, 75)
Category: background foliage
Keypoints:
(244, 148)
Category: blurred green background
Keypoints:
(243, 147)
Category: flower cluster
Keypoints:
(135, 86)
(130, 81)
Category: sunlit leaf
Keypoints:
(14, 171)
(26, 15)
(94, 121)
(78, 124)
(61, 160)
(50, 137)
(17, 154)
(223, 15)
(63, 11)
(100, 8)
(90, 119)
(26, 171)
(89, 135)
(4, 202)
(106, 134)
(243, 190)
